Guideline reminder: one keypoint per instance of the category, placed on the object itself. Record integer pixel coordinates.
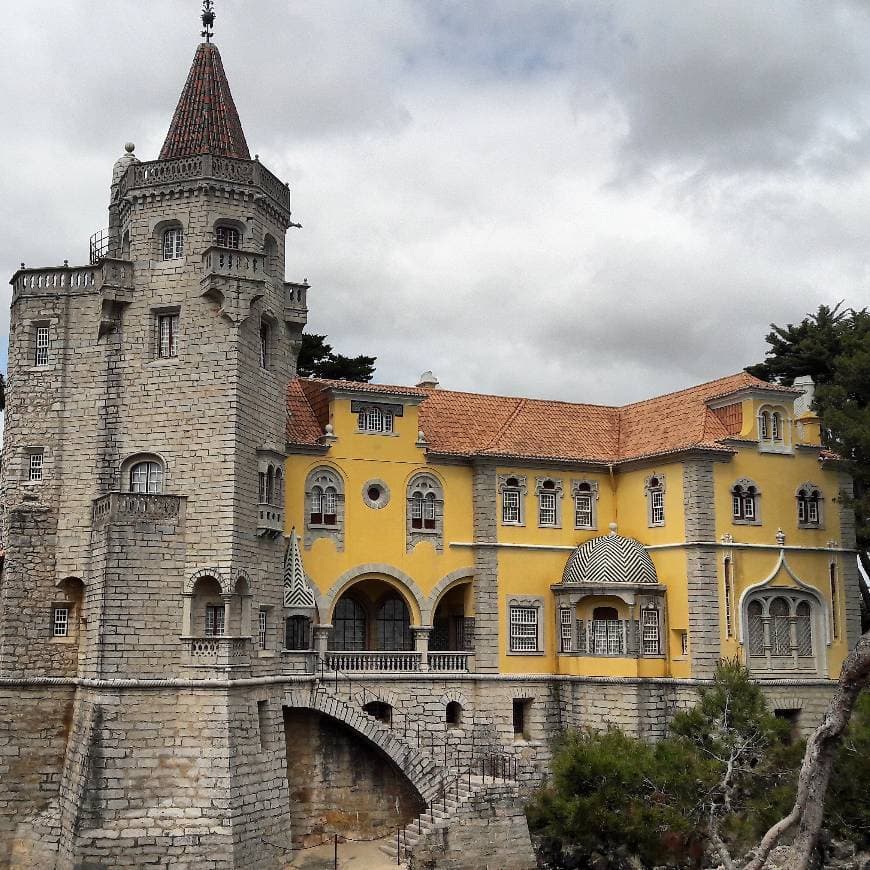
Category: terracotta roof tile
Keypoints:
(475, 424)
(302, 424)
(205, 119)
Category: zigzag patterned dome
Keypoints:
(610, 559)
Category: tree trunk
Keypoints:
(809, 806)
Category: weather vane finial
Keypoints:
(207, 20)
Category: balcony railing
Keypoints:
(386, 661)
(66, 279)
(449, 661)
(155, 173)
(270, 520)
(132, 507)
(217, 652)
(233, 263)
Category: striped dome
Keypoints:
(610, 559)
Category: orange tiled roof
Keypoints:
(474, 424)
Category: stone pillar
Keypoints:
(421, 644)
(705, 643)
(486, 625)
(850, 592)
(321, 634)
(228, 614)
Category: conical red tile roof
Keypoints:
(205, 119)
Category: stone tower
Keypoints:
(143, 511)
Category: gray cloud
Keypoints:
(568, 199)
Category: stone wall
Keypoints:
(486, 619)
(339, 783)
(488, 832)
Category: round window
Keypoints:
(376, 494)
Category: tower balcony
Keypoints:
(296, 302)
(270, 520)
(233, 263)
(111, 277)
(216, 652)
(124, 508)
(207, 168)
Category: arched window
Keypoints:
(585, 495)
(425, 507)
(608, 632)
(773, 430)
(511, 502)
(297, 633)
(780, 631)
(146, 476)
(453, 714)
(393, 625)
(173, 243)
(744, 502)
(349, 625)
(227, 237)
(776, 426)
(325, 505)
(764, 425)
(809, 505)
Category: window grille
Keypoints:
(804, 629)
(510, 506)
(167, 335)
(749, 504)
(146, 477)
(566, 627)
(764, 425)
(262, 624)
(583, 511)
(657, 507)
(227, 237)
(547, 509)
(776, 426)
(60, 622)
(36, 466)
(523, 628)
(393, 625)
(780, 627)
(417, 510)
(650, 636)
(41, 355)
(802, 507)
(756, 629)
(729, 615)
(173, 243)
(375, 419)
(214, 620)
(330, 510)
(608, 637)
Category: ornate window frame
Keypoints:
(745, 502)
(774, 429)
(317, 483)
(592, 494)
(810, 514)
(518, 612)
(510, 484)
(545, 487)
(425, 495)
(376, 418)
(779, 642)
(654, 491)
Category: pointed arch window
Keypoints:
(781, 627)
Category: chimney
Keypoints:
(427, 381)
(803, 404)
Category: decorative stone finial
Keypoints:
(727, 538)
(780, 537)
(207, 20)
(427, 379)
(612, 527)
(130, 147)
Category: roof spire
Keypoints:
(207, 20)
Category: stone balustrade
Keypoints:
(132, 507)
(295, 302)
(270, 520)
(205, 167)
(69, 280)
(454, 661)
(379, 661)
(216, 652)
(233, 263)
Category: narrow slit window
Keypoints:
(167, 335)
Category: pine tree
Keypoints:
(317, 358)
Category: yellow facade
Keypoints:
(531, 558)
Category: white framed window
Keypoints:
(146, 477)
(60, 622)
(776, 426)
(510, 506)
(173, 243)
(809, 508)
(36, 466)
(375, 419)
(167, 335)
(764, 425)
(566, 629)
(744, 501)
(585, 494)
(227, 237)
(650, 632)
(41, 343)
(549, 492)
(523, 628)
(262, 625)
(654, 488)
(214, 620)
(547, 509)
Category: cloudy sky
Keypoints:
(594, 201)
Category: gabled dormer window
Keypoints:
(375, 419)
(773, 430)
